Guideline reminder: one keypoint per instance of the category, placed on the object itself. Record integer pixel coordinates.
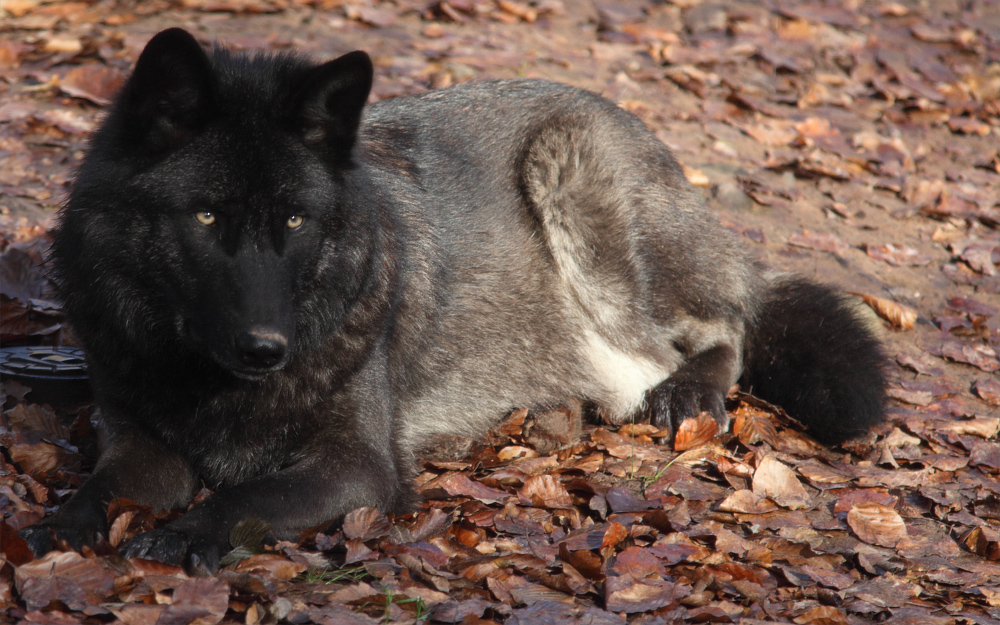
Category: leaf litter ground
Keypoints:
(855, 141)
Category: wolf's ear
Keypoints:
(329, 106)
(170, 93)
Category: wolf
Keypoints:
(283, 292)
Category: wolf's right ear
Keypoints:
(330, 103)
(170, 93)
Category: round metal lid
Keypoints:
(43, 363)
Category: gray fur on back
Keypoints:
(579, 263)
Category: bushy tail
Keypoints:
(810, 353)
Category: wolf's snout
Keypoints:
(261, 348)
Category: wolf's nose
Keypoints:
(261, 348)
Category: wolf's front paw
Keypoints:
(44, 537)
(671, 403)
(198, 556)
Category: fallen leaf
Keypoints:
(921, 364)
(118, 528)
(97, 83)
(876, 524)
(613, 535)
(898, 255)
(544, 491)
(821, 241)
(777, 482)
(986, 455)
(914, 398)
(978, 355)
(199, 601)
(695, 432)
(276, 565)
(622, 594)
(982, 541)
(822, 615)
(747, 502)
(752, 426)
(366, 524)
(696, 177)
(985, 427)
(987, 390)
(80, 583)
(19, 8)
(460, 485)
(621, 500)
(373, 16)
(64, 43)
(899, 315)
(971, 306)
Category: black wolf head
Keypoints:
(210, 214)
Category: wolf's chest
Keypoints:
(229, 439)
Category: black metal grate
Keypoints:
(65, 363)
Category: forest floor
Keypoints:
(854, 142)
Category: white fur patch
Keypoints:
(624, 377)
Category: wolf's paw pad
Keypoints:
(45, 537)
(671, 403)
(177, 548)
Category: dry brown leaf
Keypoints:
(695, 432)
(822, 615)
(97, 83)
(42, 459)
(912, 397)
(898, 255)
(198, 601)
(373, 16)
(983, 542)
(776, 481)
(544, 491)
(120, 525)
(877, 524)
(278, 565)
(821, 241)
(460, 485)
(512, 452)
(623, 594)
(752, 426)
(64, 44)
(696, 177)
(366, 524)
(899, 315)
(747, 502)
(67, 577)
(985, 427)
(978, 355)
(39, 418)
(973, 307)
(19, 8)
(987, 390)
(615, 533)
(986, 456)
(519, 9)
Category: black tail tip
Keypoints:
(810, 352)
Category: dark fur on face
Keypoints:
(285, 294)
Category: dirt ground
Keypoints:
(854, 142)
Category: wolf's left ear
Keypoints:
(329, 107)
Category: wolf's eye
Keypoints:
(295, 221)
(205, 218)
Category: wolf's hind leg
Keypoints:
(699, 385)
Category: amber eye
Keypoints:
(295, 221)
(205, 218)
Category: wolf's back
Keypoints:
(809, 352)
